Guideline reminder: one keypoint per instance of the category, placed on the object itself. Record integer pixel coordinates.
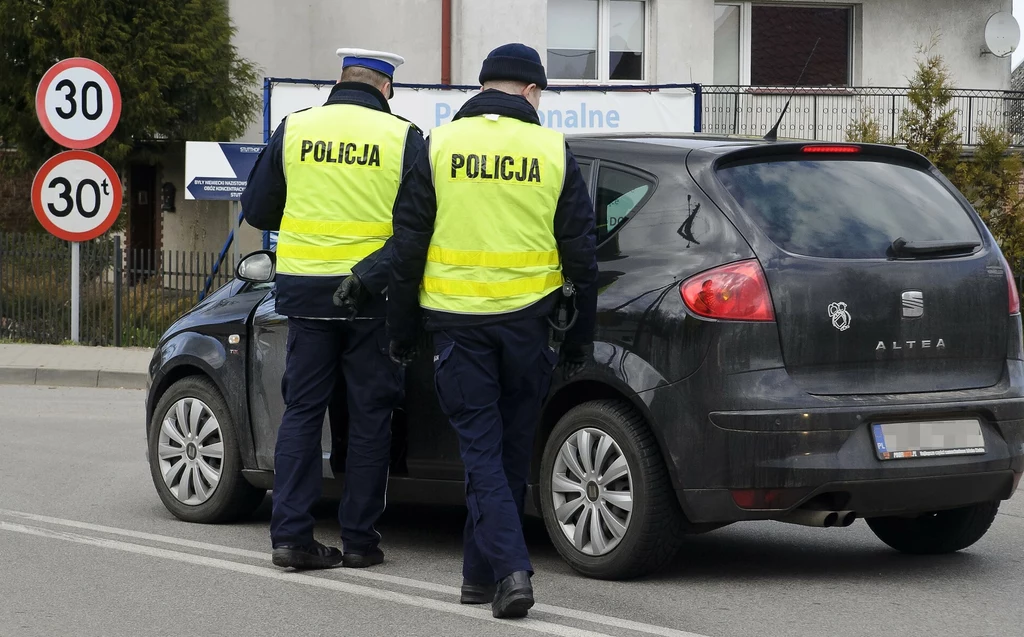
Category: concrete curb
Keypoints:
(52, 377)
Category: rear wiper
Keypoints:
(903, 248)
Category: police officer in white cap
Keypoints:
(344, 163)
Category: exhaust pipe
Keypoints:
(808, 517)
(846, 518)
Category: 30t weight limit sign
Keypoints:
(78, 103)
(76, 195)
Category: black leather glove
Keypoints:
(351, 295)
(401, 354)
(573, 357)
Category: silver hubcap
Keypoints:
(191, 451)
(592, 490)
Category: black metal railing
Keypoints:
(826, 113)
(127, 297)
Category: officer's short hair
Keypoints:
(364, 75)
(505, 86)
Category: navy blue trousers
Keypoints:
(491, 382)
(321, 356)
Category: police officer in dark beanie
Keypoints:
(492, 217)
(344, 162)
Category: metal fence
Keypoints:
(826, 113)
(128, 297)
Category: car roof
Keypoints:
(685, 141)
(655, 145)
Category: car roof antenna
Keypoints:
(773, 134)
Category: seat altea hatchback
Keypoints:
(811, 333)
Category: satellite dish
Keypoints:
(1002, 34)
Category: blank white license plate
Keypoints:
(931, 439)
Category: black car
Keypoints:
(800, 332)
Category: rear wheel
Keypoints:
(606, 497)
(938, 532)
(194, 458)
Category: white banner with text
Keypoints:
(634, 111)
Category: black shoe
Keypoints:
(362, 560)
(476, 593)
(310, 556)
(513, 596)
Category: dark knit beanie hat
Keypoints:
(514, 62)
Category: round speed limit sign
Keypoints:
(78, 103)
(76, 195)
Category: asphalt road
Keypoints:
(86, 548)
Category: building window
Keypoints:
(769, 44)
(596, 40)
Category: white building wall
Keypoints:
(683, 34)
(410, 28)
(892, 30)
(478, 26)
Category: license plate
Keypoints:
(931, 439)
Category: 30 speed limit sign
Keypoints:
(76, 195)
(78, 103)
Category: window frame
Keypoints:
(596, 163)
(604, 49)
(746, 28)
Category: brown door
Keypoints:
(143, 224)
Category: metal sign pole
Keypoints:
(76, 263)
(236, 230)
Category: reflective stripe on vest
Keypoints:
(497, 182)
(343, 164)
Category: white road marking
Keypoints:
(479, 614)
(558, 611)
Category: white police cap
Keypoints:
(380, 61)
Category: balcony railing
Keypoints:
(826, 113)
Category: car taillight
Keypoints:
(1011, 285)
(830, 148)
(734, 292)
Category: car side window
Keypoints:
(619, 195)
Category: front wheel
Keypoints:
(606, 496)
(938, 532)
(194, 458)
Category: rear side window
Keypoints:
(619, 194)
(846, 209)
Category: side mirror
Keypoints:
(257, 267)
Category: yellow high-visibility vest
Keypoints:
(497, 182)
(343, 165)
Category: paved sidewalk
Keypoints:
(74, 366)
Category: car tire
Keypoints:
(231, 496)
(655, 523)
(937, 532)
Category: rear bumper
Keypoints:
(866, 498)
(824, 457)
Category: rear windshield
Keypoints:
(846, 209)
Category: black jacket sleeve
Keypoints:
(375, 269)
(415, 212)
(576, 234)
(266, 190)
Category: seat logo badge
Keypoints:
(840, 317)
(913, 304)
